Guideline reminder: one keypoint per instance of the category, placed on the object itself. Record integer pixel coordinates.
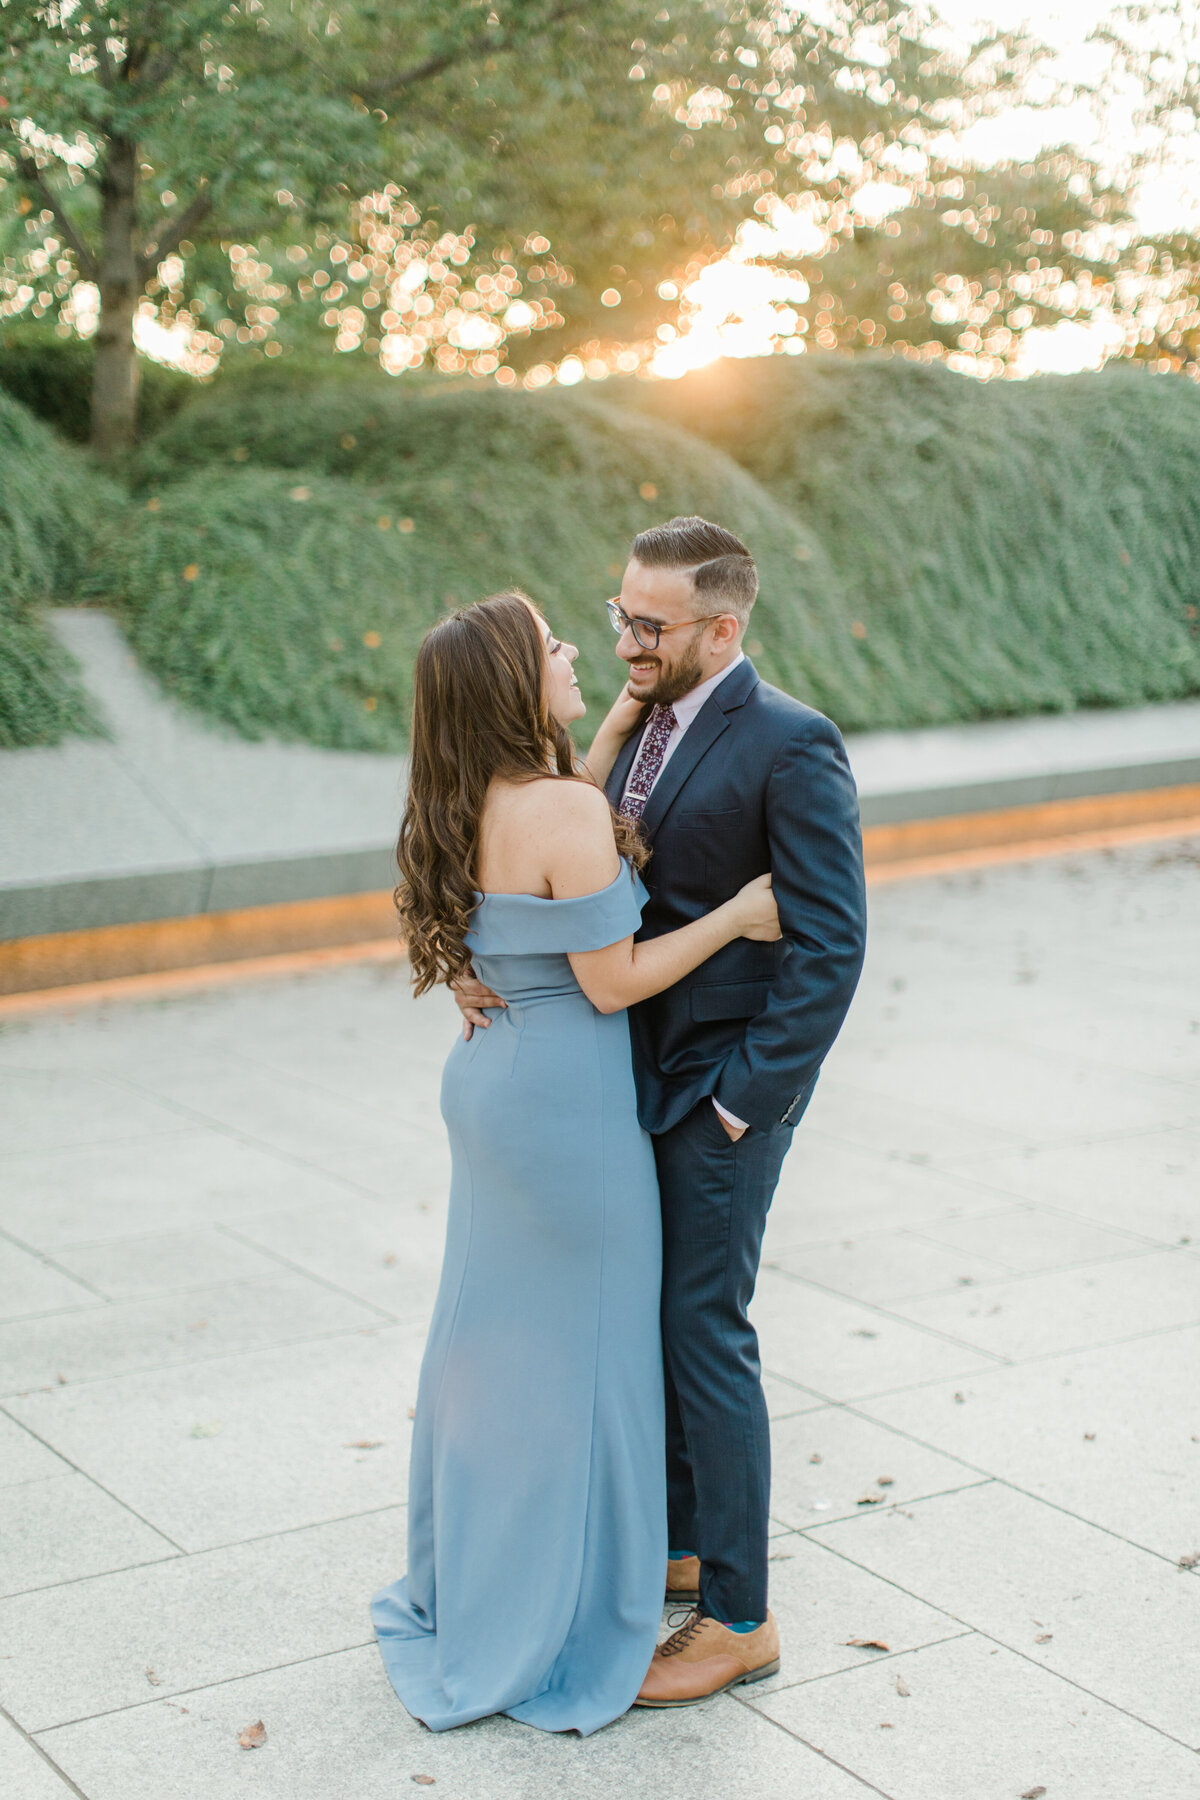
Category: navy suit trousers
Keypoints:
(715, 1197)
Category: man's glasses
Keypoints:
(645, 632)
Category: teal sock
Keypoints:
(679, 1555)
(742, 1626)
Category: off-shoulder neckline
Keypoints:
(565, 900)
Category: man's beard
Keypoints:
(672, 684)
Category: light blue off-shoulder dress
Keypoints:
(537, 1510)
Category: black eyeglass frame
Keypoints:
(620, 621)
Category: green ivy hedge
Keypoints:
(51, 502)
(930, 549)
(270, 546)
(1010, 547)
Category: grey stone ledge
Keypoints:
(178, 817)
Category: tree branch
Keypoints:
(494, 44)
(176, 229)
(33, 175)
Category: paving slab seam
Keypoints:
(45, 1756)
(1009, 1362)
(884, 1312)
(1056, 1211)
(176, 1694)
(748, 1703)
(93, 1482)
(907, 1387)
(1103, 1063)
(192, 1362)
(1006, 1276)
(299, 1079)
(981, 1283)
(44, 1257)
(1138, 1240)
(131, 767)
(876, 1657)
(959, 1487)
(1000, 1643)
(181, 1106)
(1134, 1337)
(400, 1507)
(882, 1231)
(95, 1304)
(987, 1478)
(223, 1129)
(953, 1165)
(70, 1581)
(238, 1237)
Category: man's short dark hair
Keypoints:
(721, 567)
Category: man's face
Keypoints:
(683, 657)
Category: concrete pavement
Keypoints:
(220, 1227)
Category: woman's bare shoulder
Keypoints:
(557, 799)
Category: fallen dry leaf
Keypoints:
(886, 1725)
(959, 1398)
(389, 1260)
(815, 1457)
(885, 1481)
(1089, 1437)
(364, 1444)
(902, 1687)
(862, 1331)
(1043, 1637)
(252, 1737)
(1189, 1562)
(424, 1780)
(869, 1500)
(867, 1644)
(152, 1678)
(1033, 1793)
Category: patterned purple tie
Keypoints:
(661, 724)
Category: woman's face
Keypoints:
(563, 697)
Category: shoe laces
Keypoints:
(679, 1640)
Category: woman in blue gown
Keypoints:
(537, 1512)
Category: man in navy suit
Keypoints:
(729, 778)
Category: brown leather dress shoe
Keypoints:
(683, 1580)
(704, 1657)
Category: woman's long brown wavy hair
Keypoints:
(480, 711)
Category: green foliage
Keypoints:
(50, 501)
(52, 376)
(629, 142)
(542, 491)
(931, 549)
(1010, 547)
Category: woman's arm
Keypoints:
(583, 859)
(624, 716)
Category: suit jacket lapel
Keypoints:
(700, 735)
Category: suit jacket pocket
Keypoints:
(716, 819)
(728, 1000)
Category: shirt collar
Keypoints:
(689, 704)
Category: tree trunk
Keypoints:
(115, 381)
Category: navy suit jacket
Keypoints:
(758, 782)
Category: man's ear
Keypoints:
(726, 631)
